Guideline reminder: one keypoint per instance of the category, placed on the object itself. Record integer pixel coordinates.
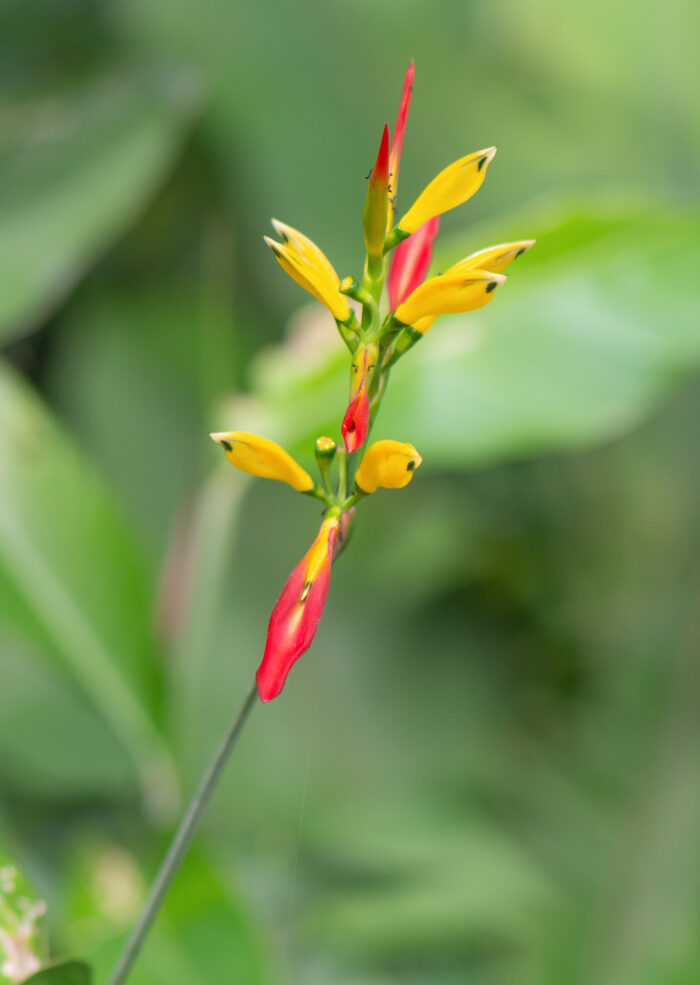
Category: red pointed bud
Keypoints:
(410, 262)
(399, 130)
(297, 612)
(375, 217)
(355, 426)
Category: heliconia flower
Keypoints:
(494, 259)
(399, 131)
(453, 186)
(355, 424)
(375, 216)
(297, 612)
(306, 264)
(389, 464)
(262, 457)
(446, 295)
(410, 262)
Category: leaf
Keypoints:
(71, 559)
(62, 973)
(76, 168)
(578, 346)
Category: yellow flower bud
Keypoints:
(306, 264)
(494, 258)
(389, 464)
(448, 295)
(450, 188)
(262, 457)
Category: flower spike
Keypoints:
(389, 464)
(355, 426)
(259, 456)
(410, 262)
(453, 186)
(297, 612)
(306, 264)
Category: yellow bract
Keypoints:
(493, 258)
(389, 464)
(450, 188)
(262, 457)
(306, 264)
(449, 294)
(318, 553)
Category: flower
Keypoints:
(410, 262)
(355, 426)
(494, 259)
(308, 265)
(262, 457)
(389, 464)
(297, 612)
(449, 294)
(453, 186)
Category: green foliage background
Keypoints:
(485, 772)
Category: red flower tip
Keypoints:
(410, 262)
(297, 612)
(400, 129)
(355, 424)
(380, 171)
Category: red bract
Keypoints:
(410, 262)
(355, 426)
(297, 613)
(380, 171)
(400, 129)
(356, 422)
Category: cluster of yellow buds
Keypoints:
(397, 306)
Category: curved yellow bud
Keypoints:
(389, 464)
(453, 186)
(262, 457)
(494, 258)
(449, 295)
(306, 264)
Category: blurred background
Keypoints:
(485, 772)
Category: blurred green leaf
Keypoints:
(76, 168)
(577, 347)
(70, 557)
(72, 752)
(205, 934)
(62, 973)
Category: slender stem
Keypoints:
(181, 843)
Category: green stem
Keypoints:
(181, 843)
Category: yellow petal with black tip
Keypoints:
(389, 464)
(259, 456)
(453, 186)
(447, 295)
(494, 258)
